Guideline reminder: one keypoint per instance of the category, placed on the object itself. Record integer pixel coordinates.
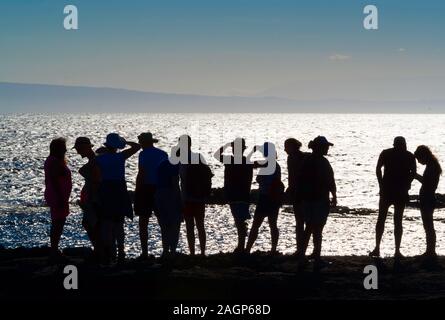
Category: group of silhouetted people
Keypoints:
(175, 187)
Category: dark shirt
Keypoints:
(317, 179)
(238, 180)
(294, 165)
(399, 169)
(87, 194)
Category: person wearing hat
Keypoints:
(144, 202)
(316, 184)
(89, 201)
(238, 175)
(399, 171)
(295, 158)
(113, 195)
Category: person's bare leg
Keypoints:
(428, 225)
(299, 228)
(318, 239)
(380, 226)
(190, 227)
(143, 235)
(398, 228)
(253, 235)
(201, 234)
(241, 227)
(55, 234)
(120, 239)
(274, 232)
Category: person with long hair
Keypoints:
(429, 181)
(317, 183)
(196, 183)
(58, 185)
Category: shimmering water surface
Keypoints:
(24, 140)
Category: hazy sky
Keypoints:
(308, 49)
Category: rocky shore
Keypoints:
(26, 274)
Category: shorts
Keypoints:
(315, 211)
(391, 196)
(240, 211)
(144, 200)
(193, 209)
(266, 207)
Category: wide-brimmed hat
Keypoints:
(322, 141)
(115, 141)
(82, 141)
(147, 137)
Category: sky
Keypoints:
(306, 50)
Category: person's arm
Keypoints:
(95, 179)
(218, 155)
(419, 178)
(332, 187)
(134, 147)
(378, 170)
(256, 164)
(413, 169)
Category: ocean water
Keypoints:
(358, 139)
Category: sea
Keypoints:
(358, 140)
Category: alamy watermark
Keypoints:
(71, 17)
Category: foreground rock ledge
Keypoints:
(26, 274)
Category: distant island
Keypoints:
(42, 98)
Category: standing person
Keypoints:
(429, 181)
(295, 158)
(196, 184)
(144, 201)
(89, 201)
(317, 183)
(271, 190)
(58, 185)
(169, 209)
(399, 171)
(113, 194)
(238, 175)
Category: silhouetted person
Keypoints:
(429, 181)
(196, 183)
(316, 185)
(113, 194)
(169, 206)
(399, 171)
(89, 199)
(295, 158)
(144, 202)
(271, 191)
(58, 187)
(238, 175)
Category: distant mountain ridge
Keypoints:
(42, 98)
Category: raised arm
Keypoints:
(134, 147)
